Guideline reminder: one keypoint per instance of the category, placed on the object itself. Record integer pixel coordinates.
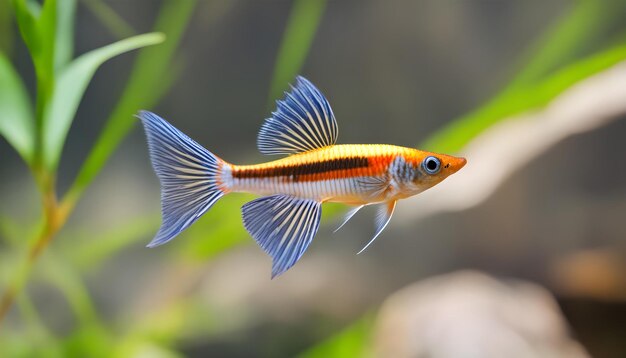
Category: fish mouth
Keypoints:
(462, 162)
(456, 163)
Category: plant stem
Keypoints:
(55, 216)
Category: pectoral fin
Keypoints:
(349, 216)
(383, 215)
(283, 226)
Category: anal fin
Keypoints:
(283, 226)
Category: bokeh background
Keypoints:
(534, 267)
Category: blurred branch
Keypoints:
(302, 25)
(596, 274)
(9, 230)
(466, 311)
(116, 25)
(509, 145)
(54, 218)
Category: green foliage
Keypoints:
(114, 23)
(301, 28)
(38, 26)
(578, 33)
(6, 28)
(48, 33)
(353, 341)
(69, 88)
(518, 100)
(553, 66)
(217, 231)
(16, 117)
(149, 80)
(38, 132)
(39, 135)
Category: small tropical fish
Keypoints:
(315, 170)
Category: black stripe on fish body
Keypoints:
(298, 170)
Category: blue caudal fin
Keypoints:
(188, 175)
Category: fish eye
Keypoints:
(431, 165)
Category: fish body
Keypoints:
(286, 217)
(354, 174)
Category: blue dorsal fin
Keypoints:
(283, 226)
(303, 121)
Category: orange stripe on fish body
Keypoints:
(333, 162)
(315, 170)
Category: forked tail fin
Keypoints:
(189, 176)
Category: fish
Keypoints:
(314, 170)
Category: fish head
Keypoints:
(433, 168)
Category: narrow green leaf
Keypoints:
(150, 78)
(6, 27)
(37, 25)
(70, 87)
(579, 32)
(353, 341)
(26, 15)
(458, 133)
(551, 68)
(110, 19)
(47, 27)
(67, 280)
(16, 117)
(90, 329)
(301, 28)
(64, 34)
(87, 250)
(218, 231)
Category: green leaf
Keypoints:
(301, 28)
(43, 343)
(38, 28)
(351, 342)
(110, 19)
(458, 133)
(218, 231)
(70, 87)
(87, 250)
(556, 63)
(150, 78)
(16, 117)
(6, 27)
(64, 41)
(580, 31)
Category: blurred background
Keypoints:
(522, 253)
